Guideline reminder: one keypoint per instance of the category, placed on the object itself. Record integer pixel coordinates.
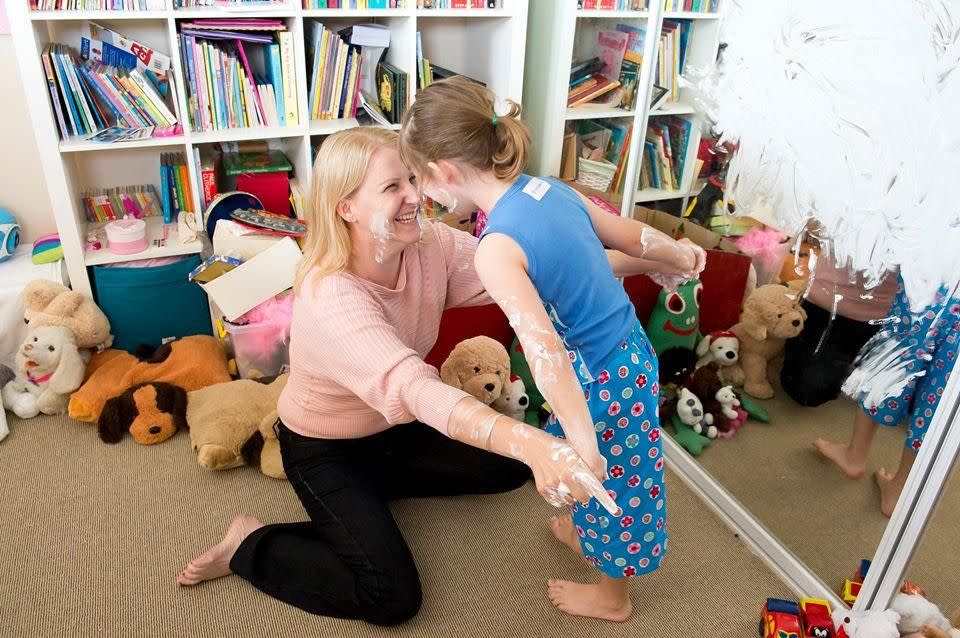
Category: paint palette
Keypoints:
(270, 222)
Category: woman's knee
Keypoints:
(392, 601)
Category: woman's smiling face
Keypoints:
(384, 212)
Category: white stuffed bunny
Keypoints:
(49, 369)
(728, 400)
(690, 411)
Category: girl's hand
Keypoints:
(562, 477)
(699, 256)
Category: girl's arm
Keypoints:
(502, 266)
(623, 265)
(561, 475)
(638, 240)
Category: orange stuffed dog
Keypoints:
(190, 363)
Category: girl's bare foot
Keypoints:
(593, 601)
(215, 562)
(840, 455)
(890, 490)
(563, 529)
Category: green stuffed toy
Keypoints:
(675, 320)
(753, 408)
(520, 367)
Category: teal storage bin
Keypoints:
(147, 305)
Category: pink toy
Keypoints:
(261, 336)
(768, 247)
(735, 424)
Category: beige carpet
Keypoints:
(829, 521)
(94, 535)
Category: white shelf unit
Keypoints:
(487, 44)
(561, 34)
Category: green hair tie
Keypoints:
(495, 119)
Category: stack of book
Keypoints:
(97, 5)
(103, 103)
(672, 56)
(393, 91)
(191, 4)
(175, 192)
(459, 4)
(700, 6)
(612, 76)
(595, 153)
(670, 146)
(343, 64)
(108, 204)
(613, 5)
(219, 58)
(353, 4)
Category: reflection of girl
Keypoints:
(928, 341)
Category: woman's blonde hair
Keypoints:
(338, 171)
(454, 119)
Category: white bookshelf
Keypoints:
(561, 34)
(487, 44)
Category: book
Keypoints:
(611, 47)
(289, 78)
(103, 205)
(255, 162)
(601, 86)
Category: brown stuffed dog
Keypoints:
(151, 412)
(51, 304)
(231, 424)
(479, 366)
(190, 363)
(705, 383)
(771, 315)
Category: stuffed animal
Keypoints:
(704, 384)
(771, 315)
(676, 365)
(691, 413)
(191, 363)
(51, 304)
(479, 366)
(675, 320)
(49, 368)
(866, 624)
(151, 412)
(6, 376)
(520, 367)
(232, 424)
(920, 617)
(728, 401)
(513, 400)
(722, 347)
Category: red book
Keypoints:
(606, 5)
(273, 189)
(458, 4)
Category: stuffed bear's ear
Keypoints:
(753, 324)
(114, 420)
(704, 346)
(448, 372)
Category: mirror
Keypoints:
(847, 362)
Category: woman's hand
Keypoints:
(562, 476)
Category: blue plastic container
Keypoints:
(147, 305)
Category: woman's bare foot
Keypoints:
(562, 527)
(592, 601)
(215, 562)
(839, 454)
(890, 490)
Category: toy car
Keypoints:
(780, 619)
(815, 618)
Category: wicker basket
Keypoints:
(597, 175)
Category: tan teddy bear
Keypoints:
(231, 424)
(479, 366)
(771, 315)
(51, 304)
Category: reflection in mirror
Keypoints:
(935, 569)
(842, 350)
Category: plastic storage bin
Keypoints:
(147, 305)
(260, 349)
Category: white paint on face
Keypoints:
(380, 229)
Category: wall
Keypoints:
(23, 190)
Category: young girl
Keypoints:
(542, 258)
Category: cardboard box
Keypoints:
(699, 235)
(266, 275)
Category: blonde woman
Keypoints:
(363, 420)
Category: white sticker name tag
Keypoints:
(536, 188)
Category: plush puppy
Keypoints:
(722, 347)
(48, 368)
(771, 315)
(513, 400)
(728, 401)
(151, 412)
(479, 366)
(48, 303)
(705, 383)
(690, 411)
